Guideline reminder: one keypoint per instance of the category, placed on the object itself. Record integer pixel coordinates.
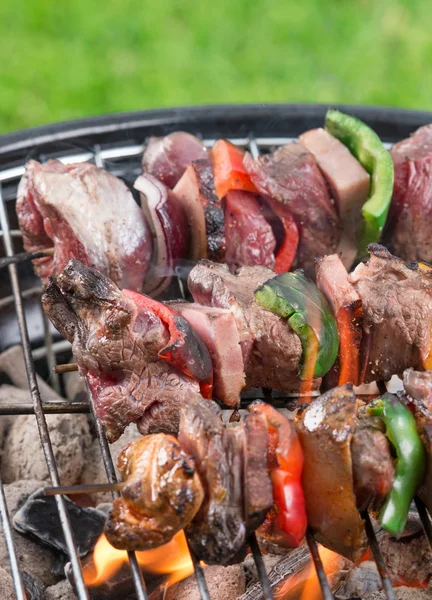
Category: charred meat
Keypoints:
(397, 314)
(161, 496)
(125, 350)
(85, 213)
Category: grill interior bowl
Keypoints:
(116, 143)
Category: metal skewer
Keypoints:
(23, 256)
(65, 368)
(91, 488)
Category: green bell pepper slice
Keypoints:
(297, 299)
(368, 149)
(410, 464)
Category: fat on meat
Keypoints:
(407, 232)
(348, 182)
(167, 158)
(290, 178)
(397, 314)
(271, 349)
(86, 213)
(116, 343)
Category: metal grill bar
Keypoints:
(7, 532)
(379, 559)
(40, 417)
(51, 349)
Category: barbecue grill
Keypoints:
(116, 143)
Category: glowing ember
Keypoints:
(304, 584)
(172, 559)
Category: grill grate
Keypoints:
(127, 157)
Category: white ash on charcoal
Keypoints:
(33, 558)
(23, 456)
(225, 583)
(296, 562)
(402, 593)
(250, 570)
(39, 518)
(358, 581)
(6, 586)
(12, 363)
(60, 591)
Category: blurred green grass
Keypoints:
(63, 60)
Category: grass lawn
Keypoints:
(62, 60)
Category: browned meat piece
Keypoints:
(218, 532)
(397, 314)
(407, 232)
(217, 328)
(333, 281)
(258, 492)
(291, 178)
(85, 213)
(213, 211)
(326, 429)
(373, 467)
(348, 182)
(419, 387)
(249, 237)
(162, 494)
(167, 158)
(271, 350)
(116, 340)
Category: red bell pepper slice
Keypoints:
(185, 349)
(348, 319)
(228, 170)
(288, 249)
(286, 522)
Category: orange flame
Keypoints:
(304, 584)
(172, 559)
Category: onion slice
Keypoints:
(168, 223)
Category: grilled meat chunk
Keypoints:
(291, 179)
(257, 486)
(117, 341)
(373, 467)
(326, 429)
(217, 328)
(419, 388)
(218, 532)
(407, 231)
(348, 183)
(167, 158)
(85, 213)
(271, 350)
(249, 237)
(162, 494)
(397, 314)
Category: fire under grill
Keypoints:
(114, 143)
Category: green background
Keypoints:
(63, 60)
